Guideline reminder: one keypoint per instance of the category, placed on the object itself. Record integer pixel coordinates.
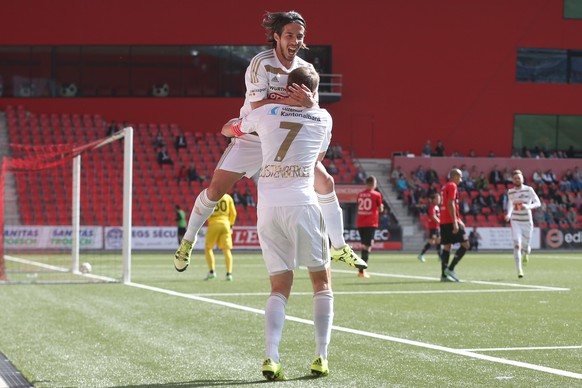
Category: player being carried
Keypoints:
(266, 83)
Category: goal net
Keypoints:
(66, 211)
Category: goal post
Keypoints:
(37, 238)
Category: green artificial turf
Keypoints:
(401, 327)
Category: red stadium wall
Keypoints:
(411, 71)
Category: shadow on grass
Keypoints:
(215, 383)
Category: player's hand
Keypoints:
(302, 95)
(455, 228)
(506, 218)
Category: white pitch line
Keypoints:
(59, 269)
(528, 348)
(461, 352)
(377, 292)
(388, 275)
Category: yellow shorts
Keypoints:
(218, 233)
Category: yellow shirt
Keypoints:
(224, 211)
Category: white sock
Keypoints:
(203, 208)
(323, 319)
(333, 217)
(517, 257)
(274, 320)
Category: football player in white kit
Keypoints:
(290, 223)
(266, 82)
(521, 200)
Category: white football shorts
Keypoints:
(522, 233)
(291, 236)
(243, 155)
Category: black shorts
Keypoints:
(367, 235)
(434, 233)
(448, 237)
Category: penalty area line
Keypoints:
(460, 352)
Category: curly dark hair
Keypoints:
(274, 22)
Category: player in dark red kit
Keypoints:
(369, 208)
(452, 228)
(434, 232)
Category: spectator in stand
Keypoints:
(491, 154)
(182, 174)
(427, 149)
(248, 199)
(237, 197)
(332, 169)
(439, 149)
(572, 216)
(402, 185)
(164, 158)
(495, 176)
(502, 202)
(465, 207)
(360, 176)
(479, 202)
(432, 176)
(549, 177)
(516, 154)
(465, 172)
(395, 175)
(472, 154)
(576, 182)
(193, 174)
(507, 177)
(474, 238)
(159, 140)
(112, 128)
(565, 184)
(537, 177)
(491, 201)
(578, 201)
(469, 184)
(482, 183)
(180, 142)
(337, 151)
(384, 222)
(420, 174)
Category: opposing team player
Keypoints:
(290, 224)
(219, 233)
(266, 82)
(434, 233)
(452, 227)
(370, 206)
(521, 199)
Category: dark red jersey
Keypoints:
(433, 210)
(369, 202)
(449, 192)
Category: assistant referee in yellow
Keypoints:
(219, 233)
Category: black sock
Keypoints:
(444, 261)
(458, 256)
(439, 250)
(425, 248)
(365, 256)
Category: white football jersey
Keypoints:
(291, 140)
(266, 77)
(520, 202)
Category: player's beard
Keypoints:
(288, 55)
